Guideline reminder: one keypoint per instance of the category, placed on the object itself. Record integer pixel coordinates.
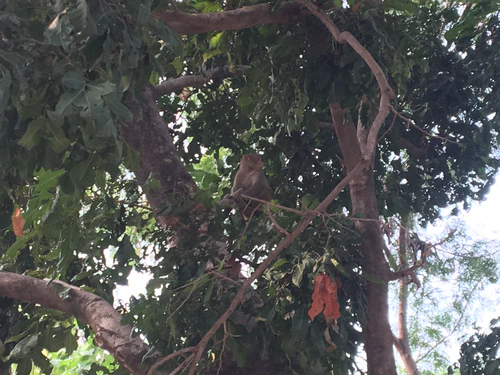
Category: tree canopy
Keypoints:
(122, 124)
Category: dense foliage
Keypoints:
(65, 69)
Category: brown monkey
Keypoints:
(250, 180)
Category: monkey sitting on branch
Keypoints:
(250, 181)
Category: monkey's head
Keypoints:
(252, 161)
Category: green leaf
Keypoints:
(288, 346)
(279, 263)
(73, 81)
(32, 135)
(118, 108)
(15, 62)
(78, 15)
(170, 37)
(13, 251)
(208, 293)
(300, 324)
(71, 237)
(24, 347)
(64, 106)
(59, 32)
(5, 83)
(239, 356)
(46, 179)
(39, 360)
(24, 366)
(56, 138)
(215, 40)
(297, 274)
(70, 343)
(100, 89)
(83, 174)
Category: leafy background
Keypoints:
(65, 67)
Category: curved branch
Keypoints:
(261, 14)
(88, 308)
(386, 92)
(197, 81)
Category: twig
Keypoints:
(389, 129)
(172, 2)
(223, 347)
(197, 81)
(276, 225)
(411, 123)
(218, 274)
(183, 365)
(169, 357)
(185, 299)
(246, 224)
(283, 208)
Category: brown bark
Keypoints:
(377, 332)
(87, 308)
(197, 23)
(149, 135)
(197, 81)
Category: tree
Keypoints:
(448, 295)
(479, 354)
(122, 124)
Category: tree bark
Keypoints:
(237, 19)
(148, 134)
(377, 332)
(86, 307)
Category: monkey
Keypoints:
(250, 180)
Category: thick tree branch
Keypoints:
(87, 308)
(185, 23)
(149, 135)
(197, 81)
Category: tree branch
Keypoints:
(197, 81)
(88, 308)
(185, 23)
(368, 147)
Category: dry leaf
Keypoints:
(325, 299)
(18, 222)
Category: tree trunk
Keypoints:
(377, 332)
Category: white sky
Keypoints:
(482, 219)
